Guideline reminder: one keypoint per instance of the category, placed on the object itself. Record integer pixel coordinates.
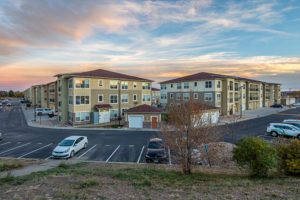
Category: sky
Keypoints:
(154, 39)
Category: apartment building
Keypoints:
(52, 96)
(155, 96)
(229, 93)
(98, 96)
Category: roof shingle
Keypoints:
(144, 109)
(107, 74)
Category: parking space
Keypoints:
(94, 152)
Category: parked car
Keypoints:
(8, 104)
(276, 129)
(0, 104)
(296, 104)
(292, 120)
(1, 136)
(70, 146)
(276, 106)
(43, 111)
(156, 151)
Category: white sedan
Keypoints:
(70, 146)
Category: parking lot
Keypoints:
(22, 141)
(94, 152)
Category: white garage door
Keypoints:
(135, 121)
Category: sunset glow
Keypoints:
(157, 40)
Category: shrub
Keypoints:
(257, 155)
(289, 158)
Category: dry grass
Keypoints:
(100, 181)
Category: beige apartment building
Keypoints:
(229, 93)
(97, 96)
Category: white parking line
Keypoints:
(112, 154)
(87, 151)
(170, 162)
(14, 148)
(5, 143)
(35, 150)
(138, 161)
(48, 157)
(131, 145)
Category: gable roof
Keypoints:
(144, 109)
(105, 74)
(205, 76)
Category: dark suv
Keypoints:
(156, 151)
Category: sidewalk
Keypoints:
(49, 164)
(251, 114)
(46, 122)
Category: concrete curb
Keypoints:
(30, 124)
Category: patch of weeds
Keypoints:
(86, 184)
(6, 165)
(142, 184)
(12, 180)
(63, 165)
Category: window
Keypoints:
(146, 98)
(196, 95)
(134, 84)
(219, 84)
(195, 84)
(171, 95)
(186, 96)
(114, 98)
(82, 116)
(135, 97)
(114, 113)
(82, 83)
(178, 96)
(82, 100)
(163, 87)
(124, 98)
(100, 83)
(70, 83)
(70, 116)
(208, 84)
(231, 85)
(114, 85)
(218, 97)
(124, 85)
(163, 96)
(186, 85)
(208, 97)
(146, 86)
(70, 100)
(124, 110)
(172, 85)
(178, 86)
(100, 98)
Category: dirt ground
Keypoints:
(100, 181)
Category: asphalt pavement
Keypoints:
(22, 141)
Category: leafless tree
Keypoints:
(189, 127)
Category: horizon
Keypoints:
(156, 40)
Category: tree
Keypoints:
(188, 128)
(11, 93)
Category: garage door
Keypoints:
(135, 121)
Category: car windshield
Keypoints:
(155, 145)
(66, 143)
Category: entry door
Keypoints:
(154, 122)
(104, 117)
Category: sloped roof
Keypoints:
(144, 109)
(155, 89)
(105, 74)
(205, 76)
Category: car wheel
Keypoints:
(85, 145)
(274, 134)
(71, 154)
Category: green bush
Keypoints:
(289, 158)
(256, 155)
